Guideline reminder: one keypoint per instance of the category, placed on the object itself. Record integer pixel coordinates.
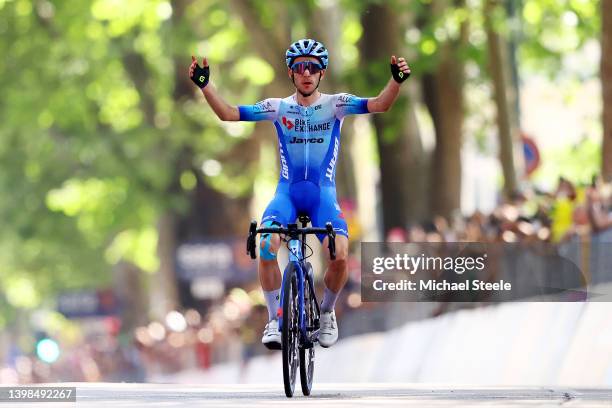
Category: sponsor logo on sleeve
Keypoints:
(263, 107)
(346, 100)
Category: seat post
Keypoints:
(304, 219)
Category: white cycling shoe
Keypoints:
(328, 333)
(272, 335)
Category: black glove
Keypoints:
(398, 75)
(200, 76)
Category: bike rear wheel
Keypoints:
(290, 330)
(311, 315)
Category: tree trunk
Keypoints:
(513, 8)
(606, 86)
(399, 145)
(132, 295)
(164, 296)
(446, 179)
(444, 98)
(502, 93)
(443, 95)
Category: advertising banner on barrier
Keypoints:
(223, 259)
(88, 303)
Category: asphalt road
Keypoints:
(325, 395)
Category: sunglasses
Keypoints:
(312, 67)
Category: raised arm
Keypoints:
(400, 71)
(200, 76)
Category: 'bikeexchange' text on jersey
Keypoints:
(308, 136)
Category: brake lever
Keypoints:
(331, 245)
(251, 240)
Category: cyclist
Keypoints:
(308, 127)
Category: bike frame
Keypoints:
(296, 249)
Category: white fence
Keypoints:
(512, 344)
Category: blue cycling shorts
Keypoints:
(306, 198)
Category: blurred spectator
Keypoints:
(416, 234)
(563, 209)
(396, 234)
(599, 214)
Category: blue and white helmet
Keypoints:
(307, 48)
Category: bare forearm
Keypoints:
(221, 108)
(385, 99)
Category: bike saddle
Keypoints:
(304, 219)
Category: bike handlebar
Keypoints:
(294, 232)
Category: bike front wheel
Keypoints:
(290, 330)
(307, 355)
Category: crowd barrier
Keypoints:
(539, 268)
(512, 344)
(506, 344)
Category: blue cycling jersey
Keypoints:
(309, 144)
(308, 136)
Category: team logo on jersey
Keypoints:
(302, 126)
(288, 124)
(304, 140)
(293, 110)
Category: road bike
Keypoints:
(299, 311)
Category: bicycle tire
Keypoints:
(290, 330)
(307, 356)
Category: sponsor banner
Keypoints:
(223, 259)
(87, 303)
(477, 272)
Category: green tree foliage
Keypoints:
(551, 29)
(96, 132)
